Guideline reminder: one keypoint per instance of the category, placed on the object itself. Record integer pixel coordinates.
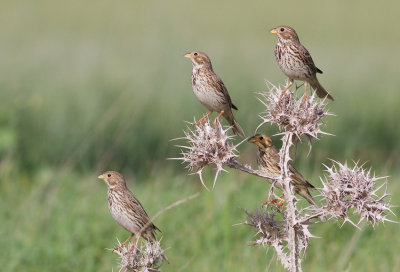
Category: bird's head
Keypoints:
(262, 141)
(199, 59)
(112, 179)
(285, 33)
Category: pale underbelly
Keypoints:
(211, 100)
(122, 219)
(297, 71)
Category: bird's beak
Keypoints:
(188, 56)
(274, 31)
(252, 140)
(101, 177)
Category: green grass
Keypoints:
(107, 85)
(94, 85)
(62, 223)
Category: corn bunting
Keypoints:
(268, 160)
(211, 91)
(296, 62)
(126, 209)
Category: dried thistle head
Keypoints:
(355, 188)
(207, 145)
(145, 258)
(291, 114)
(275, 233)
(269, 229)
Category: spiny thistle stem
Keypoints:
(238, 166)
(286, 229)
(291, 210)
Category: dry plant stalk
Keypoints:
(345, 190)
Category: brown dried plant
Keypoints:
(345, 190)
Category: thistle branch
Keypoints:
(290, 199)
(344, 190)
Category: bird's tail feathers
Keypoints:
(235, 125)
(306, 194)
(321, 92)
(157, 229)
(237, 129)
(165, 258)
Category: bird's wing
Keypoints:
(134, 205)
(307, 59)
(298, 178)
(220, 87)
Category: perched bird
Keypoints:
(296, 62)
(126, 209)
(268, 160)
(211, 91)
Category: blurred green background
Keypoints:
(88, 86)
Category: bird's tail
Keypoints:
(321, 92)
(235, 125)
(237, 129)
(306, 194)
(165, 258)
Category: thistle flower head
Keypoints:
(269, 229)
(145, 258)
(355, 188)
(274, 232)
(207, 145)
(291, 114)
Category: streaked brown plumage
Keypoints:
(211, 91)
(295, 61)
(126, 209)
(268, 160)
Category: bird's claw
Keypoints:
(277, 202)
(202, 120)
(198, 123)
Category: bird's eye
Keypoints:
(282, 29)
(195, 54)
(109, 175)
(261, 137)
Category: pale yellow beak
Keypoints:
(101, 177)
(252, 139)
(188, 56)
(274, 31)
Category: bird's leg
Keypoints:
(219, 116)
(275, 201)
(134, 245)
(123, 244)
(305, 93)
(284, 91)
(282, 202)
(129, 238)
(201, 121)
